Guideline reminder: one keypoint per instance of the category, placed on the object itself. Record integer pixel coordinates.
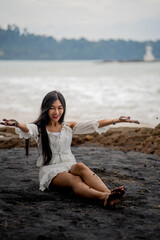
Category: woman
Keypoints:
(58, 167)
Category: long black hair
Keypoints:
(43, 120)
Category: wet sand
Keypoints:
(27, 213)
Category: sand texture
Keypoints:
(27, 213)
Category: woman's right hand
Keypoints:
(9, 122)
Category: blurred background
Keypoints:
(103, 56)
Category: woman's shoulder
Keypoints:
(71, 124)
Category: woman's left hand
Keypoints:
(128, 119)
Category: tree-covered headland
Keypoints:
(22, 45)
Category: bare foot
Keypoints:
(112, 199)
(120, 190)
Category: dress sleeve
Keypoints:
(33, 132)
(88, 127)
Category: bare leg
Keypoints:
(89, 177)
(80, 188)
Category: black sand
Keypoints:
(27, 213)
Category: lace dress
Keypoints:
(60, 144)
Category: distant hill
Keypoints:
(26, 46)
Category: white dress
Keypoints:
(62, 157)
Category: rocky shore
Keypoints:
(146, 140)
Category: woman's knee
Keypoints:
(79, 168)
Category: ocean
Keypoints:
(92, 89)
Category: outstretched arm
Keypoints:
(105, 122)
(14, 123)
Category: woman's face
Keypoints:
(56, 110)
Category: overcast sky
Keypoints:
(91, 19)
